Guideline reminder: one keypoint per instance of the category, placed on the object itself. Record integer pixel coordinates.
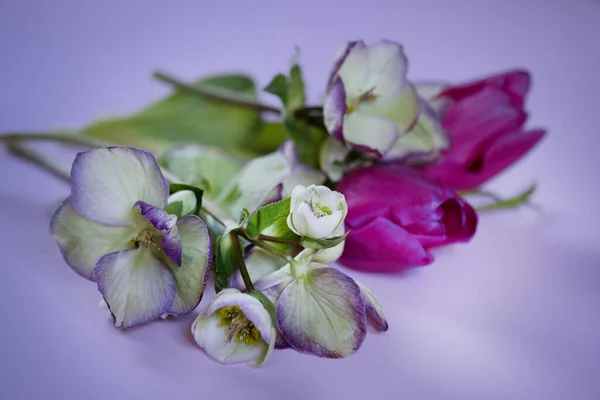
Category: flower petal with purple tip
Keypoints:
(108, 181)
(334, 109)
(373, 308)
(83, 242)
(323, 313)
(136, 286)
(359, 129)
(163, 221)
(196, 259)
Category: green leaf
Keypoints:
(267, 304)
(175, 208)
(225, 263)
(177, 187)
(244, 216)
(250, 186)
(187, 117)
(269, 138)
(296, 97)
(206, 167)
(279, 87)
(266, 216)
(307, 139)
(309, 243)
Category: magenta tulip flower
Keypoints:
(485, 122)
(397, 214)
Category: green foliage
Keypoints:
(225, 262)
(309, 243)
(177, 187)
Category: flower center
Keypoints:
(319, 210)
(148, 237)
(363, 98)
(238, 326)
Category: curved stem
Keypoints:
(68, 138)
(240, 261)
(274, 239)
(216, 94)
(20, 151)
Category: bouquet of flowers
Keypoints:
(202, 187)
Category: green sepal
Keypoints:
(279, 87)
(309, 243)
(177, 187)
(267, 304)
(175, 208)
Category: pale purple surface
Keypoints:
(512, 315)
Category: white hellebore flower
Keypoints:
(316, 212)
(234, 328)
(113, 230)
(320, 310)
(371, 106)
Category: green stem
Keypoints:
(274, 239)
(240, 261)
(521, 198)
(480, 192)
(266, 247)
(217, 94)
(20, 151)
(68, 138)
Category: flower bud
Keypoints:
(316, 212)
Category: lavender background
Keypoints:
(512, 315)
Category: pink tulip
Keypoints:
(396, 214)
(485, 122)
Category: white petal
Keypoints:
(363, 129)
(373, 308)
(83, 242)
(136, 286)
(429, 92)
(331, 158)
(108, 181)
(301, 174)
(402, 110)
(322, 313)
(387, 68)
(190, 278)
(354, 69)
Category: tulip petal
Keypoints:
(365, 130)
(354, 69)
(322, 313)
(500, 155)
(382, 246)
(387, 68)
(196, 259)
(108, 181)
(373, 308)
(136, 286)
(334, 109)
(83, 242)
(163, 221)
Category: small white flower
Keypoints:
(316, 212)
(234, 328)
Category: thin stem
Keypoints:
(274, 239)
(55, 137)
(480, 192)
(20, 151)
(235, 241)
(520, 199)
(303, 112)
(216, 94)
(266, 247)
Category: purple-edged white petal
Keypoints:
(108, 181)
(354, 70)
(366, 130)
(331, 158)
(323, 313)
(163, 221)
(83, 242)
(387, 68)
(334, 109)
(196, 259)
(216, 338)
(373, 308)
(137, 287)
(339, 59)
(425, 140)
